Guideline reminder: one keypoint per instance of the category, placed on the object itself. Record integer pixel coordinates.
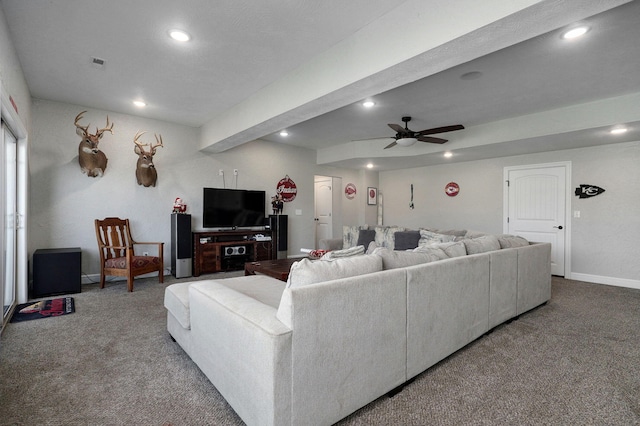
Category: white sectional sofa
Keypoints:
(318, 348)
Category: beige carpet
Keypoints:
(575, 360)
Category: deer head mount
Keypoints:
(146, 174)
(92, 161)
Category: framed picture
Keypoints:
(372, 196)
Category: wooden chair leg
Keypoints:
(130, 283)
(101, 279)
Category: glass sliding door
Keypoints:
(8, 192)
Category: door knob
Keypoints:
(559, 227)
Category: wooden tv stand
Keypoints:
(228, 250)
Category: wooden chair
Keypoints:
(117, 256)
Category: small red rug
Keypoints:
(44, 309)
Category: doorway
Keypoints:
(537, 206)
(327, 207)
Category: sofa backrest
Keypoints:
(348, 345)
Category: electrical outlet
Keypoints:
(235, 172)
(221, 172)
(145, 253)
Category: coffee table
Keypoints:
(276, 268)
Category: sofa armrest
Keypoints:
(330, 244)
(244, 350)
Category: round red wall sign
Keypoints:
(350, 191)
(287, 189)
(452, 189)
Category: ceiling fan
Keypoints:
(406, 137)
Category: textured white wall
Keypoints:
(64, 202)
(604, 238)
(11, 74)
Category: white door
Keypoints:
(536, 208)
(323, 207)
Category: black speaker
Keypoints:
(56, 271)
(181, 246)
(279, 226)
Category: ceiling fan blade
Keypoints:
(398, 128)
(371, 139)
(441, 129)
(391, 145)
(431, 139)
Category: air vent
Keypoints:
(97, 62)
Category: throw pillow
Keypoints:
(406, 240)
(481, 244)
(350, 235)
(365, 236)
(509, 241)
(384, 236)
(454, 232)
(428, 237)
(444, 250)
(308, 271)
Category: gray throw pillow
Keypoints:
(365, 236)
(406, 240)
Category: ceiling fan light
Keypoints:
(406, 141)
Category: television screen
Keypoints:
(233, 208)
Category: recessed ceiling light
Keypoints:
(448, 154)
(368, 104)
(575, 32)
(284, 133)
(369, 166)
(140, 104)
(179, 35)
(618, 130)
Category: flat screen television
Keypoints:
(233, 208)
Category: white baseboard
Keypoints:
(618, 282)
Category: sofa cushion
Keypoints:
(481, 244)
(365, 236)
(510, 241)
(337, 254)
(406, 240)
(474, 234)
(392, 259)
(262, 288)
(176, 300)
(444, 250)
(384, 236)
(308, 271)
(429, 237)
(350, 235)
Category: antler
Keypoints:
(85, 129)
(159, 144)
(135, 140)
(105, 129)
